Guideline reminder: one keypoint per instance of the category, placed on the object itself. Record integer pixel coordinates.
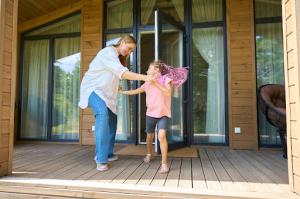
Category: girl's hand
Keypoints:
(149, 78)
(120, 89)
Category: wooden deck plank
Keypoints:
(211, 178)
(270, 165)
(138, 173)
(218, 170)
(116, 168)
(172, 178)
(272, 174)
(122, 177)
(237, 178)
(224, 178)
(185, 180)
(282, 164)
(198, 174)
(148, 176)
(254, 177)
(160, 179)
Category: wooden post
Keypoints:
(242, 110)
(8, 60)
(291, 35)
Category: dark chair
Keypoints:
(271, 101)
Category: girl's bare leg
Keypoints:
(150, 137)
(162, 133)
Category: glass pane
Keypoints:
(69, 25)
(146, 55)
(65, 111)
(207, 10)
(174, 8)
(172, 53)
(208, 86)
(267, 8)
(119, 14)
(270, 70)
(125, 102)
(34, 118)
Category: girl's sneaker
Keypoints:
(164, 168)
(147, 158)
(102, 167)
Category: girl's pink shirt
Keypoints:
(158, 104)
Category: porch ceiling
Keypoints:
(30, 9)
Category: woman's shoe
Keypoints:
(113, 158)
(147, 158)
(164, 169)
(102, 167)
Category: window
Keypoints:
(50, 81)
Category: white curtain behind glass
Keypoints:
(119, 14)
(209, 43)
(35, 89)
(207, 10)
(147, 7)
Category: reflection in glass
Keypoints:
(270, 70)
(65, 111)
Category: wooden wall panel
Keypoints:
(291, 35)
(91, 43)
(241, 74)
(8, 40)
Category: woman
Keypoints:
(99, 91)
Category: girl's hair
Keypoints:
(178, 75)
(160, 65)
(128, 39)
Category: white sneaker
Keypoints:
(113, 158)
(102, 167)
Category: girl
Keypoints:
(158, 101)
(99, 90)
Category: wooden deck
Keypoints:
(69, 171)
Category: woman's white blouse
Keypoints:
(103, 76)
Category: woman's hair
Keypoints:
(128, 39)
(160, 65)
